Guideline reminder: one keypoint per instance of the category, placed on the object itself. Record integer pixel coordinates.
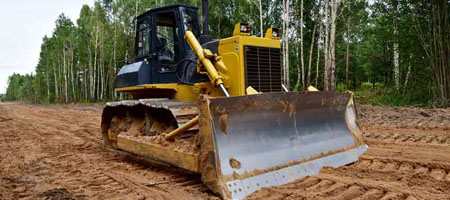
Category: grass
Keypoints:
(387, 97)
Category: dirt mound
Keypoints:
(404, 117)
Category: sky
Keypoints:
(23, 24)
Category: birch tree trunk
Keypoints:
(334, 5)
(311, 49)
(64, 73)
(261, 18)
(408, 74)
(326, 74)
(102, 65)
(48, 84)
(320, 39)
(301, 68)
(86, 84)
(283, 19)
(286, 43)
(114, 94)
(71, 72)
(56, 81)
(91, 75)
(95, 65)
(61, 86)
(347, 59)
(396, 53)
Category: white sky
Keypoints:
(23, 24)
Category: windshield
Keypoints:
(167, 36)
(190, 21)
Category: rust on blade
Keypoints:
(235, 163)
(223, 122)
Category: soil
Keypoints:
(183, 145)
(408, 158)
(55, 152)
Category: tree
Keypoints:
(347, 58)
(362, 42)
(301, 65)
(327, 74)
(285, 40)
(332, 65)
(396, 56)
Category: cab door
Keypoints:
(167, 45)
(142, 38)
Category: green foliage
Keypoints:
(378, 94)
(366, 86)
(79, 60)
(388, 98)
(341, 87)
(2, 97)
(20, 87)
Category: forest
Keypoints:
(390, 52)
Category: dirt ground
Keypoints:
(408, 158)
(54, 152)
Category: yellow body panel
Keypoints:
(232, 52)
(182, 92)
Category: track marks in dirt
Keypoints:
(420, 181)
(404, 117)
(52, 151)
(55, 151)
(408, 159)
(329, 187)
(437, 171)
(385, 172)
(407, 135)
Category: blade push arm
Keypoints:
(205, 61)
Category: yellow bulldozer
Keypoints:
(218, 107)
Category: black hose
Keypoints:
(188, 60)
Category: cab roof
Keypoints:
(167, 8)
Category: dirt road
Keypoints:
(55, 152)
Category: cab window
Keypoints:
(190, 21)
(143, 45)
(166, 35)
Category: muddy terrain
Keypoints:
(55, 152)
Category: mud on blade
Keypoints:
(275, 138)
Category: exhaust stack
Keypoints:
(205, 17)
(205, 37)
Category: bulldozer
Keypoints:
(218, 107)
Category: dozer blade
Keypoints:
(275, 138)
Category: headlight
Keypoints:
(274, 34)
(243, 28)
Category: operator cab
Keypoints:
(160, 48)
